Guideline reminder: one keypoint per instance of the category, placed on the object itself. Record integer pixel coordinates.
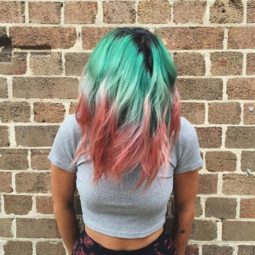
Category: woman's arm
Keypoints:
(63, 188)
(185, 191)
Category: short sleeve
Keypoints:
(64, 145)
(188, 155)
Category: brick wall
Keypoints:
(44, 45)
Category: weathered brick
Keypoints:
(91, 35)
(192, 249)
(33, 182)
(224, 208)
(204, 230)
(214, 249)
(49, 248)
(37, 228)
(241, 88)
(248, 160)
(50, 12)
(208, 184)
(75, 62)
(189, 11)
(246, 249)
(226, 63)
(238, 184)
(200, 89)
(224, 11)
(4, 136)
(17, 204)
(209, 137)
(16, 65)
(153, 12)
(80, 12)
(224, 113)
(250, 69)
(217, 161)
(12, 12)
(250, 13)
(198, 207)
(247, 208)
(6, 228)
(44, 204)
(237, 38)
(72, 107)
(49, 112)
(3, 88)
(194, 112)
(46, 63)
(13, 159)
(45, 87)
(240, 137)
(42, 37)
(189, 64)
(77, 205)
(39, 159)
(185, 38)
(5, 182)
(14, 248)
(249, 113)
(238, 231)
(14, 111)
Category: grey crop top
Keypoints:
(112, 208)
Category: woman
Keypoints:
(126, 149)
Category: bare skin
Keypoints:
(63, 188)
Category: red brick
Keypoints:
(194, 112)
(240, 137)
(16, 65)
(33, 182)
(247, 208)
(217, 161)
(75, 62)
(226, 63)
(208, 184)
(251, 11)
(17, 204)
(91, 35)
(5, 182)
(189, 11)
(72, 107)
(42, 37)
(189, 64)
(37, 228)
(49, 248)
(185, 38)
(13, 159)
(238, 231)
(227, 11)
(224, 113)
(200, 89)
(49, 112)
(6, 228)
(237, 38)
(46, 63)
(50, 12)
(45, 87)
(154, 12)
(39, 159)
(214, 249)
(238, 184)
(4, 136)
(209, 137)
(243, 88)
(250, 63)
(14, 248)
(3, 88)
(246, 249)
(249, 113)
(78, 12)
(14, 111)
(205, 230)
(44, 205)
(248, 160)
(12, 12)
(35, 136)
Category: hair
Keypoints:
(128, 108)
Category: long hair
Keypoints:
(128, 108)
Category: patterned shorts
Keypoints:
(163, 245)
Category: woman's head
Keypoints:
(128, 106)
